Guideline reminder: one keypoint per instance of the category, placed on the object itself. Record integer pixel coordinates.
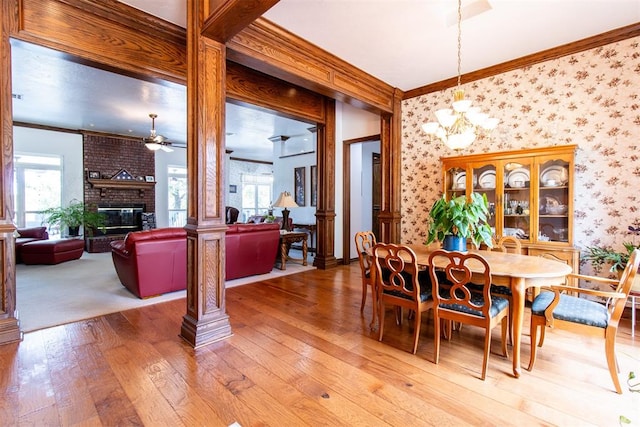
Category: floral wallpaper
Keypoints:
(591, 99)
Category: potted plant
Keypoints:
(600, 256)
(454, 221)
(73, 216)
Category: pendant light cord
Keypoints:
(459, 41)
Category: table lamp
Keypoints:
(285, 201)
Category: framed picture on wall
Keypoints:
(298, 182)
(314, 185)
(94, 175)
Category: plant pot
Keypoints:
(74, 231)
(454, 243)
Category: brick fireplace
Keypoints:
(106, 156)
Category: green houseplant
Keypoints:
(73, 216)
(600, 256)
(460, 218)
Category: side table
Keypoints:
(312, 234)
(286, 239)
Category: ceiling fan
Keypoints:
(155, 142)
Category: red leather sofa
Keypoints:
(27, 235)
(251, 249)
(152, 262)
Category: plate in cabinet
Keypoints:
(554, 176)
(487, 179)
(460, 181)
(517, 176)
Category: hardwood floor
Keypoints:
(301, 354)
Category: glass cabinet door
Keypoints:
(484, 176)
(516, 201)
(553, 200)
(455, 182)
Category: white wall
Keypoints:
(178, 157)
(351, 123)
(67, 145)
(361, 189)
(283, 180)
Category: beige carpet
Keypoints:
(50, 295)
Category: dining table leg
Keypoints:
(518, 292)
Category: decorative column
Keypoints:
(390, 145)
(9, 325)
(326, 209)
(206, 320)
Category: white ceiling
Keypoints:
(406, 43)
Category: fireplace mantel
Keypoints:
(121, 184)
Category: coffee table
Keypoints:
(286, 239)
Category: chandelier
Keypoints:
(459, 126)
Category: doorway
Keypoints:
(359, 203)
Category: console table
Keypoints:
(286, 239)
(312, 233)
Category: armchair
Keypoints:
(152, 262)
(585, 316)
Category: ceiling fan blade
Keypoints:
(166, 148)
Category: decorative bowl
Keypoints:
(557, 210)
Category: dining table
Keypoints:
(518, 272)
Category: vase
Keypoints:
(455, 243)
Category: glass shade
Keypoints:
(430, 128)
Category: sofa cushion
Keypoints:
(154, 234)
(33, 232)
(250, 228)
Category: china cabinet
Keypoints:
(530, 194)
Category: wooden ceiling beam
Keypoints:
(228, 17)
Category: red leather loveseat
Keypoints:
(251, 249)
(152, 262)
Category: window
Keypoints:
(256, 194)
(177, 195)
(37, 185)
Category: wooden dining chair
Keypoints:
(461, 301)
(585, 316)
(506, 244)
(365, 241)
(399, 283)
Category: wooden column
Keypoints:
(390, 156)
(206, 320)
(326, 209)
(9, 325)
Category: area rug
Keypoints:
(50, 295)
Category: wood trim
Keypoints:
(107, 32)
(391, 170)
(247, 86)
(346, 193)
(206, 320)
(9, 325)
(510, 154)
(229, 17)
(268, 48)
(262, 162)
(326, 208)
(603, 39)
